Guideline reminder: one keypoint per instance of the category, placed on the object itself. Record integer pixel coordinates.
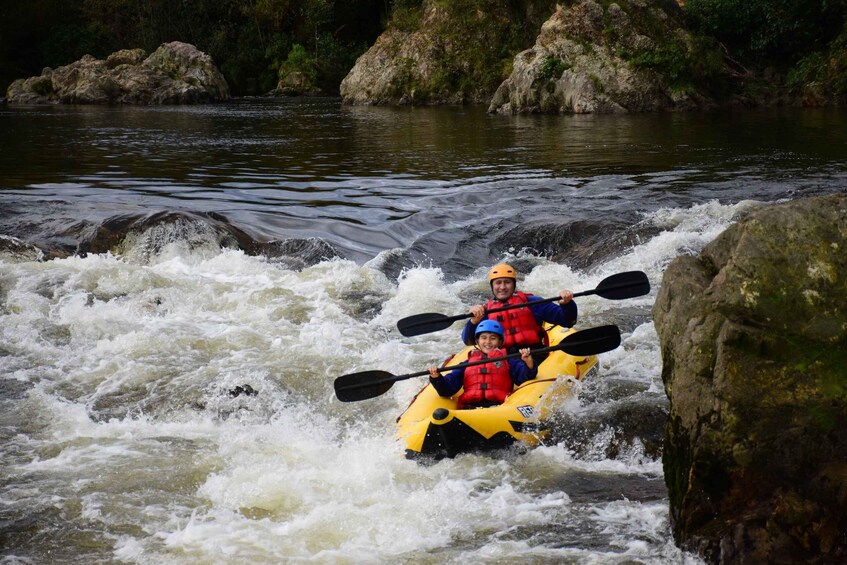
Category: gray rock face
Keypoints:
(586, 58)
(13, 250)
(176, 73)
(389, 71)
(411, 67)
(754, 346)
(582, 62)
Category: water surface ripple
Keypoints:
(275, 243)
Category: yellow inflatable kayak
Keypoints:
(432, 426)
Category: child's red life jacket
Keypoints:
(489, 382)
(519, 324)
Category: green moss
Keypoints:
(552, 68)
(598, 84)
(478, 40)
(42, 86)
(405, 80)
(676, 461)
(407, 15)
(804, 380)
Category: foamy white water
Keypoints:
(120, 430)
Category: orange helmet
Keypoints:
(502, 271)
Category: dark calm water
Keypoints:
(276, 243)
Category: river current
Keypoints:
(275, 243)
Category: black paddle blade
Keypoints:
(364, 385)
(368, 384)
(614, 287)
(420, 324)
(591, 341)
(623, 285)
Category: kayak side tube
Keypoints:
(433, 426)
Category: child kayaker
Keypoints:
(486, 384)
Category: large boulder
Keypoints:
(615, 59)
(753, 336)
(590, 56)
(441, 53)
(397, 69)
(176, 73)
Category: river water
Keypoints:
(275, 244)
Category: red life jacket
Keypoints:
(486, 382)
(519, 324)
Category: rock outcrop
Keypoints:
(754, 345)
(447, 53)
(591, 59)
(14, 250)
(176, 73)
(590, 56)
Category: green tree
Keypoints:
(776, 32)
(248, 39)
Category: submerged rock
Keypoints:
(176, 73)
(245, 389)
(14, 250)
(297, 253)
(754, 344)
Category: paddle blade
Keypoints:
(420, 324)
(623, 285)
(591, 341)
(364, 385)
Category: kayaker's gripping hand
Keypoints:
(477, 313)
(565, 296)
(526, 357)
(433, 372)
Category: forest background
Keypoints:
(255, 42)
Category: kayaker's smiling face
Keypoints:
(487, 341)
(503, 288)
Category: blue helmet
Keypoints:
(491, 326)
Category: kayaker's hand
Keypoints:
(433, 372)
(477, 313)
(565, 296)
(526, 357)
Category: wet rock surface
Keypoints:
(754, 345)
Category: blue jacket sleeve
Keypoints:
(449, 384)
(520, 372)
(554, 313)
(468, 333)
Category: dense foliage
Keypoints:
(254, 42)
(249, 40)
(805, 38)
(769, 31)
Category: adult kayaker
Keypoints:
(523, 327)
(487, 384)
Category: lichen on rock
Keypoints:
(753, 335)
(176, 73)
(588, 56)
(593, 57)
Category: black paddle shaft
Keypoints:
(615, 287)
(368, 384)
